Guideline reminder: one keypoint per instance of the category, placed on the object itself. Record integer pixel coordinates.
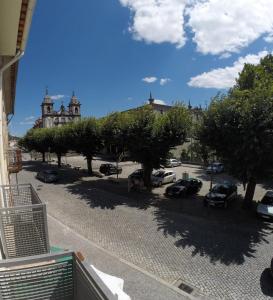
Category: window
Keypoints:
(76, 110)
(48, 109)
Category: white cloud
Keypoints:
(223, 78)
(218, 26)
(27, 123)
(57, 97)
(157, 21)
(225, 55)
(151, 79)
(157, 101)
(269, 38)
(164, 81)
(29, 118)
(224, 25)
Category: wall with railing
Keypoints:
(14, 158)
(52, 276)
(23, 222)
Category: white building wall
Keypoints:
(4, 178)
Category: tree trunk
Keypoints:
(147, 176)
(59, 156)
(89, 165)
(250, 190)
(43, 156)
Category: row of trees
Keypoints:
(238, 126)
(146, 135)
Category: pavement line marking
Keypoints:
(174, 288)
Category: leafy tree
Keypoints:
(60, 137)
(86, 139)
(239, 126)
(152, 135)
(38, 140)
(115, 133)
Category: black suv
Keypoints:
(221, 195)
(108, 169)
(184, 187)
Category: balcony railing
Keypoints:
(51, 276)
(14, 157)
(23, 222)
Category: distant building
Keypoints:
(161, 107)
(51, 118)
(158, 105)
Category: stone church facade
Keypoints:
(53, 118)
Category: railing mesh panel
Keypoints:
(18, 195)
(23, 222)
(54, 281)
(24, 232)
(14, 160)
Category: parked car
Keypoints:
(172, 162)
(221, 195)
(265, 206)
(48, 176)
(108, 169)
(137, 174)
(215, 168)
(183, 187)
(162, 177)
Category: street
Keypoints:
(222, 254)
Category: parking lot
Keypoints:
(191, 205)
(222, 254)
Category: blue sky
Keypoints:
(114, 52)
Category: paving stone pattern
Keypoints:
(221, 261)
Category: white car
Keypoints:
(265, 207)
(172, 162)
(162, 177)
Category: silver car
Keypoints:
(162, 177)
(265, 207)
(172, 162)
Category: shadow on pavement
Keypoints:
(66, 175)
(266, 282)
(225, 236)
(116, 194)
(219, 241)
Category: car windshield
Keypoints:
(182, 182)
(220, 189)
(267, 200)
(159, 174)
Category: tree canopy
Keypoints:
(239, 125)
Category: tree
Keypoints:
(60, 137)
(115, 133)
(152, 135)
(239, 126)
(39, 140)
(86, 139)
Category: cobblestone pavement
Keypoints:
(218, 259)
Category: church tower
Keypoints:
(74, 107)
(47, 111)
(47, 105)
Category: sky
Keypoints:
(112, 53)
